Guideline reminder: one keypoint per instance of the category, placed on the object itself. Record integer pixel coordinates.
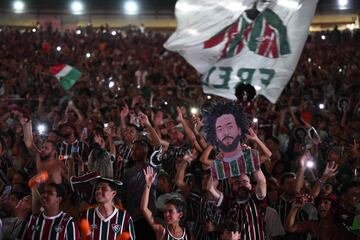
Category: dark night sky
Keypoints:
(112, 5)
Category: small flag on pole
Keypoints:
(66, 74)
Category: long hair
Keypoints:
(219, 108)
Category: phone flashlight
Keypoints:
(194, 110)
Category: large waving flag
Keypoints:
(66, 75)
(232, 41)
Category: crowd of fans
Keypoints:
(122, 154)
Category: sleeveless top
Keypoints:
(167, 235)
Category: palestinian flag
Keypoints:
(67, 75)
(248, 162)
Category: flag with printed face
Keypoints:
(66, 75)
(256, 42)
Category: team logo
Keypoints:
(75, 149)
(116, 228)
(59, 228)
(265, 35)
(35, 228)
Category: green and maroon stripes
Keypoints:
(247, 163)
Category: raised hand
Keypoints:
(252, 135)
(180, 117)
(150, 175)
(330, 170)
(189, 157)
(304, 158)
(124, 111)
(109, 129)
(144, 120)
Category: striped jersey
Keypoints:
(168, 236)
(80, 148)
(78, 151)
(123, 160)
(169, 158)
(59, 227)
(204, 211)
(247, 161)
(111, 227)
(250, 216)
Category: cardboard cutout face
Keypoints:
(226, 126)
(228, 133)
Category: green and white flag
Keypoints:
(250, 41)
(67, 75)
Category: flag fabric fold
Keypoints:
(66, 75)
(256, 42)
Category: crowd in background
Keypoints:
(132, 109)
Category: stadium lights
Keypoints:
(351, 26)
(131, 7)
(18, 6)
(343, 4)
(77, 7)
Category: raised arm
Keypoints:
(330, 171)
(214, 192)
(34, 185)
(72, 106)
(123, 114)
(299, 182)
(150, 176)
(254, 138)
(291, 225)
(260, 188)
(204, 158)
(155, 139)
(180, 175)
(188, 132)
(28, 136)
(109, 132)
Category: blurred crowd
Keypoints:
(128, 138)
